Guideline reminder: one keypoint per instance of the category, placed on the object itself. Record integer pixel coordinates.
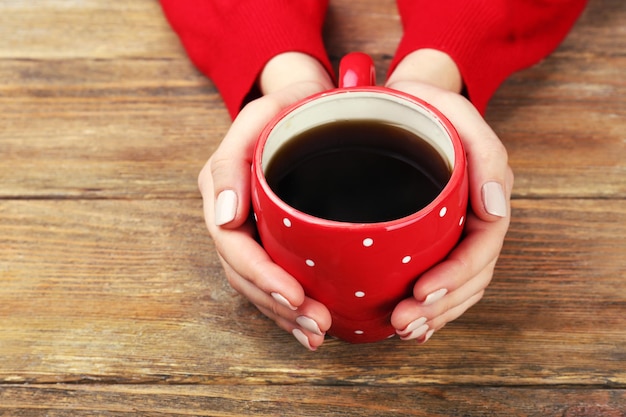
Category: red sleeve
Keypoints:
(230, 41)
(488, 39)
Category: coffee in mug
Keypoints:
(364, 171)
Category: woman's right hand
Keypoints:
(224, 183)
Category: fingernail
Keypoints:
(225, 207)
(419, 332)
(412, 326)
(435, 296)
(494, 199)
(282, 300)
(301, 337)
(428, 336)
(309, 324)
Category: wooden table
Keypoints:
(112, 299)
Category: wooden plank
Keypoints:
(314, 401)
(132, 292)
(99, 100)
(94, 129)
(68, 29)
(564, 128)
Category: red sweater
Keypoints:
(231, 40)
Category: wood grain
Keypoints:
(110, 284)
(70, 29)
(113, 300)
(114, 129)
(223, 401)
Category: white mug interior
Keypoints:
(373, 105)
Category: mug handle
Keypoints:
(356, 69)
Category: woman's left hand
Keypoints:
(446, 291)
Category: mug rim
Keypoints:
(458, 170)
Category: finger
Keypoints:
(454, 313)
(480, 246)
(254, 294)
(468, 269)
(248, 260)
(310, 315)
(411, 313)
(242, 253)
(225, 179)
(490, 177)
(224, 182)
(308, 324)
(450, 316)
(308, 339)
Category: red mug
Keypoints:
(360, 268)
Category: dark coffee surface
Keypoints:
(357, 171)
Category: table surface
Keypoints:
(112, 298)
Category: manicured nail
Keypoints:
(435, 296)
(225, 207)
(309, 324)
(419, 332)
(494, 199)
(412, 326)
(428, 336)
(282, 300)
(301, 337)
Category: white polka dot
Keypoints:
(368, 242)
(443, 211)
(359, 294)
(287, 222)
(309, 262)
(391, 335)
(406, 259)
(359, 332)
(256, 219)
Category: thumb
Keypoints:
(490, 176)
(224, 182)
(225, 179)
(226, 193)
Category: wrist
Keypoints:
(429, 66)
(290, 68)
